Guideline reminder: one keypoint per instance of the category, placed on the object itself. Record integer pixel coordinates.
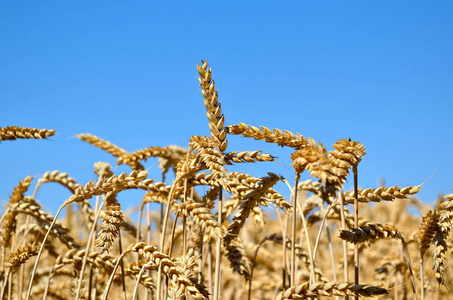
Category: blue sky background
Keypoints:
(379, 72)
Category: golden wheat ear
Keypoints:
(331, 289)
(112, 221)
(10, 133)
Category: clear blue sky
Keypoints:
(380, 72)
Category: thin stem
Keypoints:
(345, 243)
(218, 249)
(332, 257)
(40, 252)
(293, 232)
(148, 235)
(138, 281)
(109, 284)
(304, 224)
(184, 232)
(253, 267)
(90, 239)
(285, 258)
(210, 281)
(122, 267)
(422, 279)
(324, 217)
(162, 238)
(5, 284)
(356, 225)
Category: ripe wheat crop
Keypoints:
(215, 234)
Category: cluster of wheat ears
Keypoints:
(222, 244)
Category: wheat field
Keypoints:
(216, 234)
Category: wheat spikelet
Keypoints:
(249, 202)
(334, 214)
(427, 230)
(370, 232)
(202, 216)
(310, 186)
(234, 251)
(299, 251)
(71, 184)
(247, 157)
(143, 154)
(127, 226)
(52, 293)
(103, 144)
(32, 208)
(111, 184)
(20, 256)
(381, 194)
(306, 155)
(166, 163)
(102, 261)
(213, 107)
(110, 228)
(103, 169)
(441, 237)
(108, 147)
(329, 175)
(240, 184)
(305, 290)
(10, 133)
(157, 257)
(347, 153)
(134, 269)
(9, 223)
(209, 154)
(61, 178)
(152, 197)
(189, 165)
(185, 265)
(277, 136)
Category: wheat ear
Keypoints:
(426, 233)
(247, 205)
(441, 237)
(276, 136)
(109, 148)
(112, 219)
(16, 259)
(8, 219)
(10, 133)
(306, 290)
